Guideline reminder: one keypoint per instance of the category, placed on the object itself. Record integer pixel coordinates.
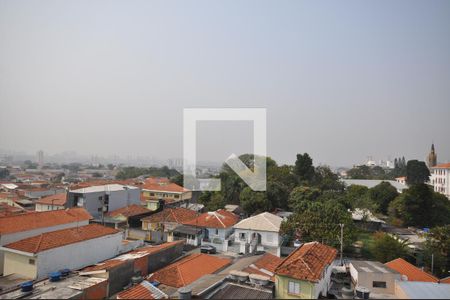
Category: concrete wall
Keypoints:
(269, 239)
(282, 288)
(46, 207)
(17, 236)
(18, 263)
(366, 280)
(323, 285)
(117, 199)
(78, 255)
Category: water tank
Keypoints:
(362, 292)
(64, 272)
(239, 275)
(55, 276)
(136, 279)
(259, 279)
(26, 286)
(184, 293)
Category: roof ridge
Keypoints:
(215, 214)
(38, 245)
(264, 216)
(181, 275)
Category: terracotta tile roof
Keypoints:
(307, 262)
(42, 219)
(176, 215)
(412, 272)
(216, 219)
(144, 251)
(442, 166)
(9, 210)
(156, 180)
(144, 290)
(189, 269)
(59, 238)
(445, 280)
(57, 199)
(268, 262)
(164, 187)
(129, 211)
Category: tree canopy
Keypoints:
(416, 172)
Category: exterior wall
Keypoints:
(269, 239)
(117, 199)
(440, 179)
(18, 263)
(321, 288)
(17, 236)
(366, 280)
(79, 255)
(46, 207)
(171, 196)
(282, 288)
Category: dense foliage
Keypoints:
(133, 172)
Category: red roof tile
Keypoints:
(445, 280)
(164, 187)
(144, 290)
(59, 238)
(9, 210)
(268, 262)
(217, 219)
(442, 166)
(57, 199)
(129, 211)
(307, 262)
(176, 215)
(412, 272)
(189, 269)
(42, 219)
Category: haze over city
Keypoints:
(341, 82)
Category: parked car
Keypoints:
(208, 249)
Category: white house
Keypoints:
(17, 227)
(52, 202)
(260, 230)
(73, 248)
(440, 179)
(99, 200)
(216, 227)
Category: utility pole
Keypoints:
(342, 243)
(432, 263)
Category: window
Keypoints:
(177, 196)
(31, 261)
(379, 284)
(294, 288)
(242, 236)
(152, 194)
(217, 231)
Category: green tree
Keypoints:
(302, 194)
(216, 202)
(420, 206)
(357, 196)
(438, 246)
(254, 202)
(320, 222)
(417, 172)
(382, 195)
(386, 248)
(277, 194)
(304, 168)
(325, 179)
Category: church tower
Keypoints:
(432, 157)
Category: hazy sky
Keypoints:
(341, 80)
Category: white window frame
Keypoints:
(293, 288)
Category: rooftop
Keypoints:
(30, 221)
(412, 272)
(59, 238)
(442, 166)
(307, 262)
(365, 266)
(189, 269)
(129, 211)
(144, 290)
(239, 291)
(216, 219)
(104, 188)
(266, 265)
(169, 187)
(262, 222)
(176, 215)
(57, 199)
(424, 290)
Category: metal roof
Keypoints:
(425, 290)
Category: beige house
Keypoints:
(169, 192)
(52, 202)
(73, 248)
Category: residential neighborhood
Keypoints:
(224, 149)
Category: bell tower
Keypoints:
(432, 157)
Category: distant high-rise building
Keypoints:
(432, 157)
(40, 158)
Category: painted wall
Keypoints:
(269, 239)
(17, 236)
(46, 207)
(18, 263)
(366, 279)
(282, 288)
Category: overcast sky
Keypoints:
(341, 80)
